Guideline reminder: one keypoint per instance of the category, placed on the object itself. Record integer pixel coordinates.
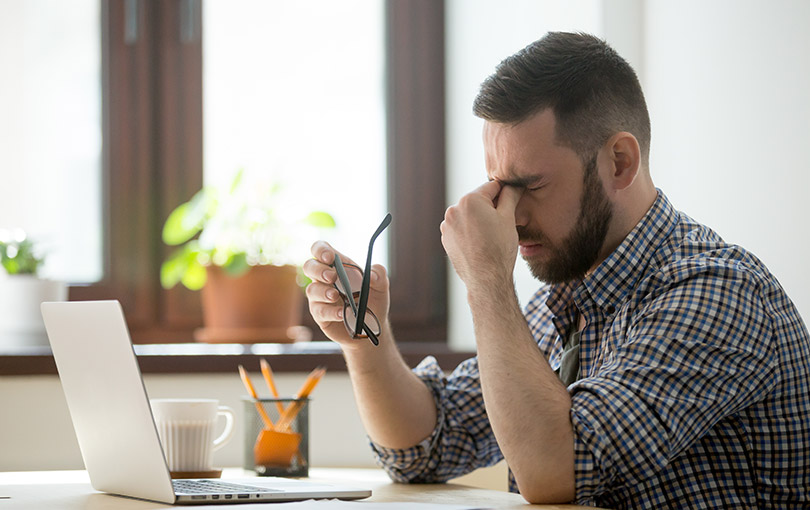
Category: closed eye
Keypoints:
(529, 184)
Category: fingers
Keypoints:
(379, 278)
(490, 189)
(508, 199)
(319, 272)
(494, 194)
(325, 304)
(322, 296)
(323, 252)
(322, 292)
(319, 267)
(324, 314)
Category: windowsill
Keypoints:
(214, 358)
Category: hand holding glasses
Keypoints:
(353, 285)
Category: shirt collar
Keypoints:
(610, 283)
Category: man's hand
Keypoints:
(479, 234)
(325, 303)
(396, 407)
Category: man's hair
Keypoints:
(593, 92)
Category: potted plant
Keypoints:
(242, 246)
(22, 290)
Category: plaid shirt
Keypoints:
(695, 388)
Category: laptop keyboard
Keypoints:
(215, 487)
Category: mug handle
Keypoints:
(223, 438)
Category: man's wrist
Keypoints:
(363, 357)
(489, 291)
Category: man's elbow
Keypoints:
(549, 490)
(548, 495)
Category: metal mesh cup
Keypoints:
(281, 452)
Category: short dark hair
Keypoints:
(593, 92)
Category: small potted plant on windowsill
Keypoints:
(238, 246)
(22, 290)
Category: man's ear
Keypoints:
(624, 156)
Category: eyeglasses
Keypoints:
(353, 285)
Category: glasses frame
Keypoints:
(361, 307)
(351, 303)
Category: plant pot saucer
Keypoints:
(253, 335)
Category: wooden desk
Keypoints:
(71, 490)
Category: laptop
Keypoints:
(113, 419)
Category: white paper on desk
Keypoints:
(325, 504)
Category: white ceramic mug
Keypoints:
(186, 428)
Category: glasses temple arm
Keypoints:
(361, 311)
(344, 280)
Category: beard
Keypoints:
(578, 252)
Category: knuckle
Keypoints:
(311, 290)
(320, 312)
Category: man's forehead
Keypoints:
(510, 173)
(525, 154)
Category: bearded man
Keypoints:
(657, 366)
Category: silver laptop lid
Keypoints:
(107, 399)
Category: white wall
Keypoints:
(726, 84)
(36, 432)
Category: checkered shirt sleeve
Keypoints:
(462, 440)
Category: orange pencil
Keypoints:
(268, 423)
(268, 378)
(292, 411)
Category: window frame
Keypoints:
(153, 159)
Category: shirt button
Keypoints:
(610, 309)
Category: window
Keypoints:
(50, 55)
(295, 92)
(152, 97)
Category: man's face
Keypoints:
(562, 218)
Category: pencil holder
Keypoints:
(283, 450)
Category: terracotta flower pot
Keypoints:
(262, 305)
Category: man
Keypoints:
(657, 367)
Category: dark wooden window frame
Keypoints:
(152, 161)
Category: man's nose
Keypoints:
(522, 215)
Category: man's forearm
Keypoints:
(396, 407)
(527, 405)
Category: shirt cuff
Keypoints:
(412, 464)
(590, 456)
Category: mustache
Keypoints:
(526, 234)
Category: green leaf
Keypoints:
(320, 219)
(174, 230)
(195, 276)
(173, 269)
(200, 208)
(11, 266)
(20, 257)
(237, 265)
(237, 180)
(301, 279)
(187, 219)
